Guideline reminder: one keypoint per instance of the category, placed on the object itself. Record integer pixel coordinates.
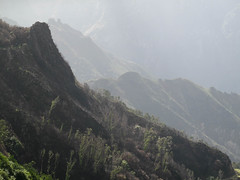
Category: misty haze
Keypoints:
(120, 89)
(196, 40)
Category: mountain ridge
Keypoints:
(187, 40)
(71, 131)
(183, 105)
(86, 58)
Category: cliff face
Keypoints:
(71, 131)
(33, 74)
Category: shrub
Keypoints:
(10, 170)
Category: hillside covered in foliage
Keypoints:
(206, 114)
(73, 132)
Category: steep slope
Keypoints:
(87, 60)
(72, 132)
(37, 91)
(209, 115)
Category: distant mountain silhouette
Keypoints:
(196, 40)
(87, 60)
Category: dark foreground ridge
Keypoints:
(72, 132)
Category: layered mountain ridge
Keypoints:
(87, 60)
(174, 38)
(205, 114)
(72, 132)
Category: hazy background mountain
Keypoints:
(197, 40)
(202, 113)
(86, 59)
(9, 21)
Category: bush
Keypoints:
(10, 170)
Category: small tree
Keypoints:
(70, 164)
(149, 138)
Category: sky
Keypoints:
(193, 39)
(27, 12)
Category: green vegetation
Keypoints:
(236, 167)
(122, 168)
(93, 152)
(210, 115)
(11, 170)
(71, 162)
(53, 105)
(237, 172)
(149, 139)
(50, 156)
(164, 155)
(8, 139)
(42, 158)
